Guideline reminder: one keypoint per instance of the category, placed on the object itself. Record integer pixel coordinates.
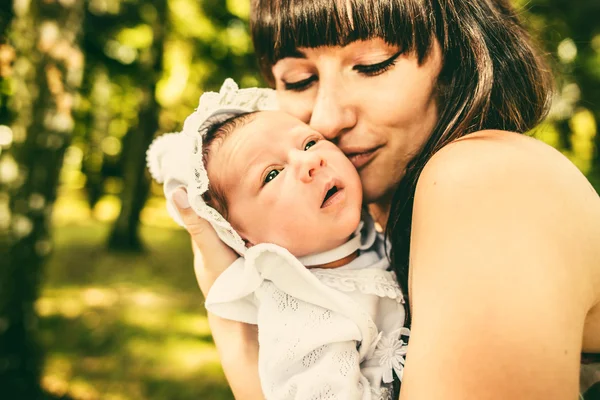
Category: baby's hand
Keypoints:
(211, 255)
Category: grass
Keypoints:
(126, 326)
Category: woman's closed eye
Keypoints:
(300, 85)
(378, 68)
(366, 70)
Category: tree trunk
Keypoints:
(97, 122)
(125, 233)
(46, 37)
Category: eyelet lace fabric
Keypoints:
(316, 339)
(369, 281)
(198, 186)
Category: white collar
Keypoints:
(363, 238)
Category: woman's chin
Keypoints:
(378, 193)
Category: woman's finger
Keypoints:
(201, 231)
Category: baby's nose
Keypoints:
(307, 165)
(312, 170)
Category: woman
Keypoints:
(494, 235)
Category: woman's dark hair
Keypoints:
(491, 77)
(215, 135)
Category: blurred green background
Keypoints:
(98, 299)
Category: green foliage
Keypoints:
(205, 43)
(570, 33)
(125, 327)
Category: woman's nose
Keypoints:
(332, 113)
(306, 164)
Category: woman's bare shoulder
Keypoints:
(517, 156)
(518, 178)
(512, 165)
(503, 239)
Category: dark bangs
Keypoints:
(280, 27)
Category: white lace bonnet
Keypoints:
(175, 159)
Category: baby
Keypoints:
(313, 276)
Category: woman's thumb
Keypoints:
(198, 228)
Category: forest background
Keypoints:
(97, 294)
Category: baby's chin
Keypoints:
(324, 237)
(325, 240)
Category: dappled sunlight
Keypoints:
(583, 127)
(174, 358)
(70, 209)
(155, 214)
(149, 320)
(547, 133)
(191, 324)
(184, 358)
(105, 338)
(192, 20)
(582, 133)
(147, 299)
(99, 297)
(81, 389)
(126, 326)
(107, 209)
(55, 385)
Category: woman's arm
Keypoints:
(236, 342)
(499, 273)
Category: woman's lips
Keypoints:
(360, 159)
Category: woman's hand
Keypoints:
(211, 255)
(237, 343)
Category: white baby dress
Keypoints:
(333, 333)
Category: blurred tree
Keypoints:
(200, 45)
(101, 112)
(48, 69)
(125, 233)
(570, 31)
(7, 56)
(95, 123)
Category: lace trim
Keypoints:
(369, 281)
(383, 393)
(230, 100)
(197, 187)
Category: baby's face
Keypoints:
(285, 184)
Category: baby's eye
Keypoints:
(271, 175)
(309, 144)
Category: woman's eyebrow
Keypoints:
(251, 166)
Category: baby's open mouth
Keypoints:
(328, 195)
